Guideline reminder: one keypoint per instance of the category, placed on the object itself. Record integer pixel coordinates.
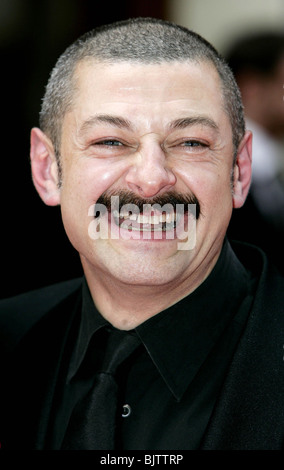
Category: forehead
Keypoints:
(148, 91)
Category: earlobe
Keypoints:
(44, 168)
(242, 171)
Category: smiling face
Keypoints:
(148, 131)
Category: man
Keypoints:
(143, 145)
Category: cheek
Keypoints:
(213, 191)
(85, 181)
(201, 181)
(218, 205)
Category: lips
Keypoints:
(161, 217)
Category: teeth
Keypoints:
(147, 219)
(169, 217)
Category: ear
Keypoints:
(44, 168)
(242, 171)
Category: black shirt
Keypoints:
(171, 383)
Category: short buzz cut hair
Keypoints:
(137, 40)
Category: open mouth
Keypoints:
(128, 217)
(151, 222)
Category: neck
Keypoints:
(126, 305)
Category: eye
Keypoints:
(109, 143)
(193, 143)
(110, 147)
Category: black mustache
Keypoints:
(172, 198)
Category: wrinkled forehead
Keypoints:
(145, 99)
(164, 82)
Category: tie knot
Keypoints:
(120, 344)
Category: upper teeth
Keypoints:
(147, 219)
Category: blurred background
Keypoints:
(34, 248)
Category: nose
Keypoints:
(149, 174)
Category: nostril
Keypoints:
(151, 183)
(149, 191)
(148, 173)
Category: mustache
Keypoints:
(172, 198)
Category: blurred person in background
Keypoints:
(257, 62)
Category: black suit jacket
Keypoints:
(35, 331)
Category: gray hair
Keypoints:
(140, 40)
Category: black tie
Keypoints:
(92, 423)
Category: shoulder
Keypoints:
(268, 300)
(256, 376)
(18, 314)
(259, 264)
(37, 297)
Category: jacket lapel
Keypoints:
(249, 414)
(33, 376)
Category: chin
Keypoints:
(149, 274)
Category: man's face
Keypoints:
(148, 131)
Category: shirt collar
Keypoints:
(179, 338)
(91, 322)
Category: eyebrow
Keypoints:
(121, 122)
(194, 120)
(116, 121)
